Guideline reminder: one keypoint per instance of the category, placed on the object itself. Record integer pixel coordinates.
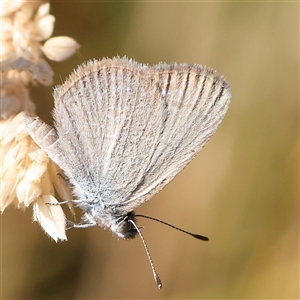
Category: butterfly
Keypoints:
(123, 130)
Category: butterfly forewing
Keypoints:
(194, 100)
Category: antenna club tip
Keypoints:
(201, 237)
(158, 281)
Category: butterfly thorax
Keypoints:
(120, 225)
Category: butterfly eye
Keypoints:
(124, 228)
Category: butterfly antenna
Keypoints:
(197, 236)
(156, 277)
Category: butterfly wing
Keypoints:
(106, 117)
(127, 129)
(194, 100)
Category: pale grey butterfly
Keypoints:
(123, 130)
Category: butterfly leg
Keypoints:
(71, 225)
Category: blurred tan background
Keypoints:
(241, 190)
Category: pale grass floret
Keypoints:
(28, 176)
